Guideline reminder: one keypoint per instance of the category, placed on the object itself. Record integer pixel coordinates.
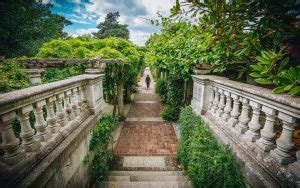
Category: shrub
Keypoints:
(208, 164)
(161, 89)
(98, 145)
(170, 113)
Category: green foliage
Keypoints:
(161, 89)
(12, 76)
(271, 70)
(111, 27)
(85, 47)
(208, 164)
(170, 113)
(26, 25)
(98, 145)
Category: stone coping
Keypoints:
(13, 96)
(255, 90)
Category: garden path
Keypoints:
(145, 152)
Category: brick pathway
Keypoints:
(146, 138)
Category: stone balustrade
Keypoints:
(46, 114)
(257, 124)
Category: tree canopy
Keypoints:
(111, 27)
(26, 25)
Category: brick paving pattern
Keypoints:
(146, 138)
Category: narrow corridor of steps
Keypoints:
(145, 153)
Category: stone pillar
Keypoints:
(60, 113)
(93, 95)
(29, 142)
(221, 104)
(244, 117)
(34, 75)
(253, 133)
(227, 109)
(285, 143)
(266, 141)
(10, 144)
(216, 100)
(51, 118)
(235, 111)
(202, 90)
(40, 124)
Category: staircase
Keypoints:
(146, 179)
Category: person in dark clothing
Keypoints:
(148, 80)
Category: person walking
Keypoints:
(148, 80)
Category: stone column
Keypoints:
(60, 113)
(93, 95)
(221, 104)
(235, 111)
(266, 141)
(79, 99)
(211, 98)
(40, 124)
(284, 143)
(244, 117)
(227, 109)
(51, 118)
(34, 75)
(29, 142)
(216, 100)
(253, 133)
(67, 107)
(10, 144)
(75, 110)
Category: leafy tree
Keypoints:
(111, 27)
(26, 25)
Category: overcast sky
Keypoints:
(86, 15)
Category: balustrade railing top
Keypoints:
(47, 114)
(260, 122)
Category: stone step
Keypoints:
(167, 184)
(145, 173)
(148, 178)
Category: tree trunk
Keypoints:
(120, 99)
(128, 93)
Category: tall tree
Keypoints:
(111, 27)
(26, 25)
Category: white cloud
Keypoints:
(88, 31)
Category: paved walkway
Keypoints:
(144, 133)
(145, 152)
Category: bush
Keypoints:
(161, 89)
(208, 164)
(170, 113)
(98, 145)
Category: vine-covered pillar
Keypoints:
(120, 99)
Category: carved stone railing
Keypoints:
(246, 116)
(58, 109)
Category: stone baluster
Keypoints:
(73, 103)
(83, 96)
(211, 98)
(29, 141)
(266, 141)
(235, 111)
(216, 100)
(294, 167)
(79, 99)
(221, 104)
(227, 109)
(60, 113)
(40, 124)
(244, 117)
(253, 133)
(68, 106)
(284, 143)
(51, 118)
(10, 144)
